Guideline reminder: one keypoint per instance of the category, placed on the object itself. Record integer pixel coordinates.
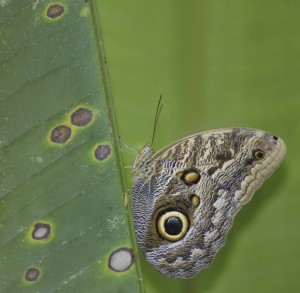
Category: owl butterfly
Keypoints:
(186, 195)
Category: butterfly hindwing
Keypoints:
(186, 195)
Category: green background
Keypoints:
(218, 64)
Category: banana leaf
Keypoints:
(64, 223)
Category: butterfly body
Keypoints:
(186, 195)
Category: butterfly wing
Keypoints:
(186, 195)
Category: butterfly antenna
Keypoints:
(158, 110)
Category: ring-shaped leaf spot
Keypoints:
(32, 274)
(120, 260)
(172, 225)
(41, 231)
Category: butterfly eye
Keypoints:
(173, 225)
(258, 154)
(190, 176)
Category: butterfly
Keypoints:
(185, 196)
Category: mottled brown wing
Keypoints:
(186, 195)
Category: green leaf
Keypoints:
(64, 226)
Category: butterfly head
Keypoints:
(267, 145)
(268, 151)
(143, 156)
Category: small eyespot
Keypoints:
(172, 225)
(275, 137)
(190, 176)
(195, 199)
(258, 154)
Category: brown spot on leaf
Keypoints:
(81, 117)
(102, 152)
(55, 11)
(41, 231)
(32, 274)
(61, 134)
